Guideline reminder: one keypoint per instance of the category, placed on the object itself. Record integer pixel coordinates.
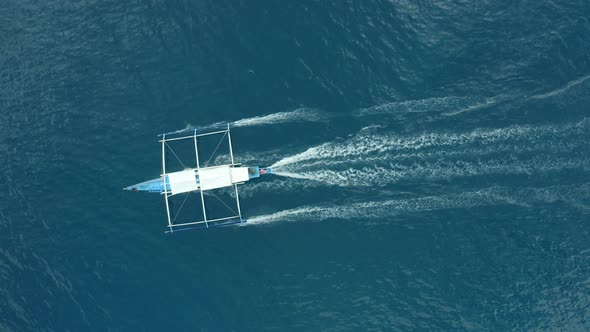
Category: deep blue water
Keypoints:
(432, 157)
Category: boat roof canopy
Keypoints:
(182, 182)
(201, 178)
(215, 177)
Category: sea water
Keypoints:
(431, 165)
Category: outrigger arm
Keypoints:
(200, 178)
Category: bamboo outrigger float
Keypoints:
(200, 179)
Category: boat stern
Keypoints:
(256, 172)
(265, 170)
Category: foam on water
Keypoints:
(563, 89)
(379, 159)
(474, 107)
(433, 108)
(524, 197)
(298, 115)
(418, 106)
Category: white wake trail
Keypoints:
(373, 209)
(380, 159)
(524, 197)
(363, 144)
(431, 108)
(298, 115)
(563, 89)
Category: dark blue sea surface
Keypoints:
(432, 160)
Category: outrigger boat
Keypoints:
(200, 179)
